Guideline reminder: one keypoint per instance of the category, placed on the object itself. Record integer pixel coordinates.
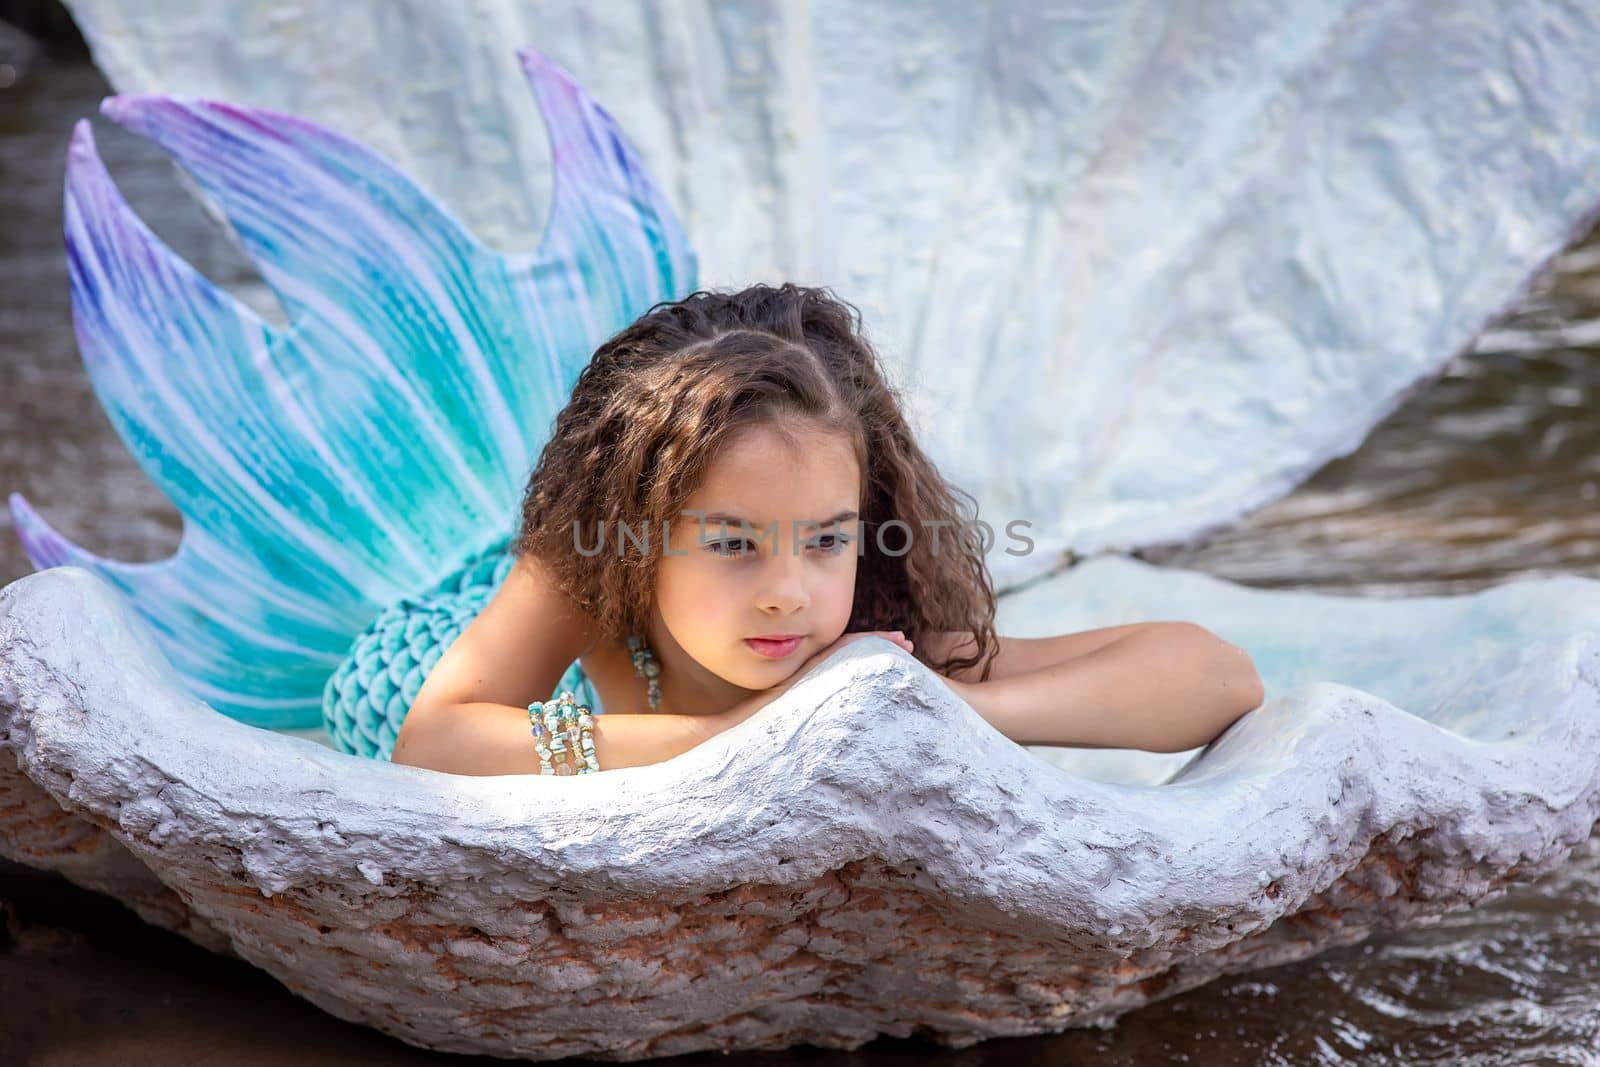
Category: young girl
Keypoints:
(708, 522)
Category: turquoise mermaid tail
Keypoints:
(380, 442)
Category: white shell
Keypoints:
(704, 902)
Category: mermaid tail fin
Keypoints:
(369, 449)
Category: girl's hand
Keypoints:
(754, 703)
(897, 637)
(894, 636)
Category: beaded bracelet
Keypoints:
(557, 725)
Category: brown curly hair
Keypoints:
(658, 399)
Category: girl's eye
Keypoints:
(736, 548)
(838, 541)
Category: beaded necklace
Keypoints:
(646, 667)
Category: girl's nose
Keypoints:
(784, 583)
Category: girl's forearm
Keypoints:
(1162, 690)
(487, 738)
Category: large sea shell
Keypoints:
(790, 880)
(1142, 267)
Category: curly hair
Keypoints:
(657, 400)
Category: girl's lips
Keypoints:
(773, 649)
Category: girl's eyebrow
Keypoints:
(734, 520)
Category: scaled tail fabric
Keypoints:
(370, 449)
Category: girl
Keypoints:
(708, 522)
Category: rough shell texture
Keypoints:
(786, 881)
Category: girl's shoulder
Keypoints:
(518, 646)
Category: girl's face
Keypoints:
(788, 572)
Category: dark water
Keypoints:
(1489, 473)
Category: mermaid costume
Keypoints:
(348, 482)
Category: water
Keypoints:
(1488, 473)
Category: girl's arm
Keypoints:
(1164, 687)
(1018, 655)
(487, 738)
(484, 737)
(471, 717)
